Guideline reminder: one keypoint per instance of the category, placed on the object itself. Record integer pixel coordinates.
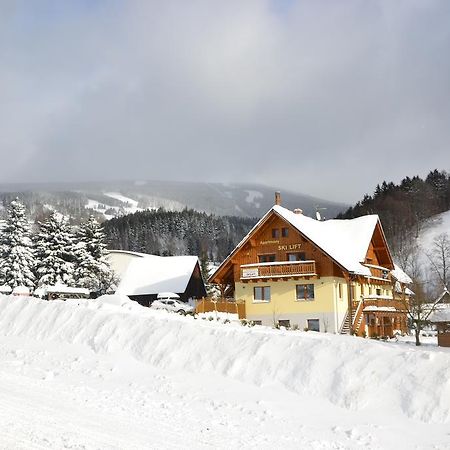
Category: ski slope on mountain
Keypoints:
(434, 227)
(112, 374)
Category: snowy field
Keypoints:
(87, 375)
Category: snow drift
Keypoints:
(350, 372)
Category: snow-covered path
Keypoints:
(55, 394)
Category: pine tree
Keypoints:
(55, 251)
(17, 257)
(93, 270)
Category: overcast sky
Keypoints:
(326, 98)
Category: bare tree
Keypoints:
(417, 305)
(439, 257)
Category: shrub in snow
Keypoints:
(17, 257)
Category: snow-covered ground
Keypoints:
(93, 374)
(130, 204)
(434, 227)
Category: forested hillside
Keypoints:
(404, 208)
(186, 232)
(117, 198)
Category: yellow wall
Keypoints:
(283, 297)
(328, 306)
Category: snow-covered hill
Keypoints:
(117, 198)
(434, 227)
(89, 374)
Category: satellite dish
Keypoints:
(318, 216)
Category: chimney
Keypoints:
(298, 211)
(277, 198)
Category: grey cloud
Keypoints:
(322, 97)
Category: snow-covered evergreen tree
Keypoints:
(93, 270)
(55, 251)
(17, 257)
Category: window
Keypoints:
(378, 291)
(313, 325)
(305, 292)
(284, 323)
(299, 256)
(266, 258)
(285, 232)
(370, 290)
(275, 233)
(257, 322)
(261, 294)
(340, 290)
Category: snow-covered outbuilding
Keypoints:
(5, 289)
(142, 276)
(441, 318)
(21, 291)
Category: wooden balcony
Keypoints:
(278, 269)
(379, 273)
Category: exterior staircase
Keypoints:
(355, 320)
(345, 328)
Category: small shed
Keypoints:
(5, 289)
(143, 277)
(62, 292)
(441, 318)
(21, 291)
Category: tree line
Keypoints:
(186, 232)
(403, 208)
(53, 252)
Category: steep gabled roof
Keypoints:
(154, 274)
(345, 241)
(400, 275)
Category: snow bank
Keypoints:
(350, 372)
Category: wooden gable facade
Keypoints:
(275, 240)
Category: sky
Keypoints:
(321, 97)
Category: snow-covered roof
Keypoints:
(126, 252)
(168, 295)
(400, 275)
(346, 241)
(21, 290)
(374, 308)
(62, 289)
(440, 315)
(5, 289)
(155, 274)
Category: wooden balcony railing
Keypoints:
(378, 272)
(399, 305)
(281, 269)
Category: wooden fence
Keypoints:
(228, 306)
